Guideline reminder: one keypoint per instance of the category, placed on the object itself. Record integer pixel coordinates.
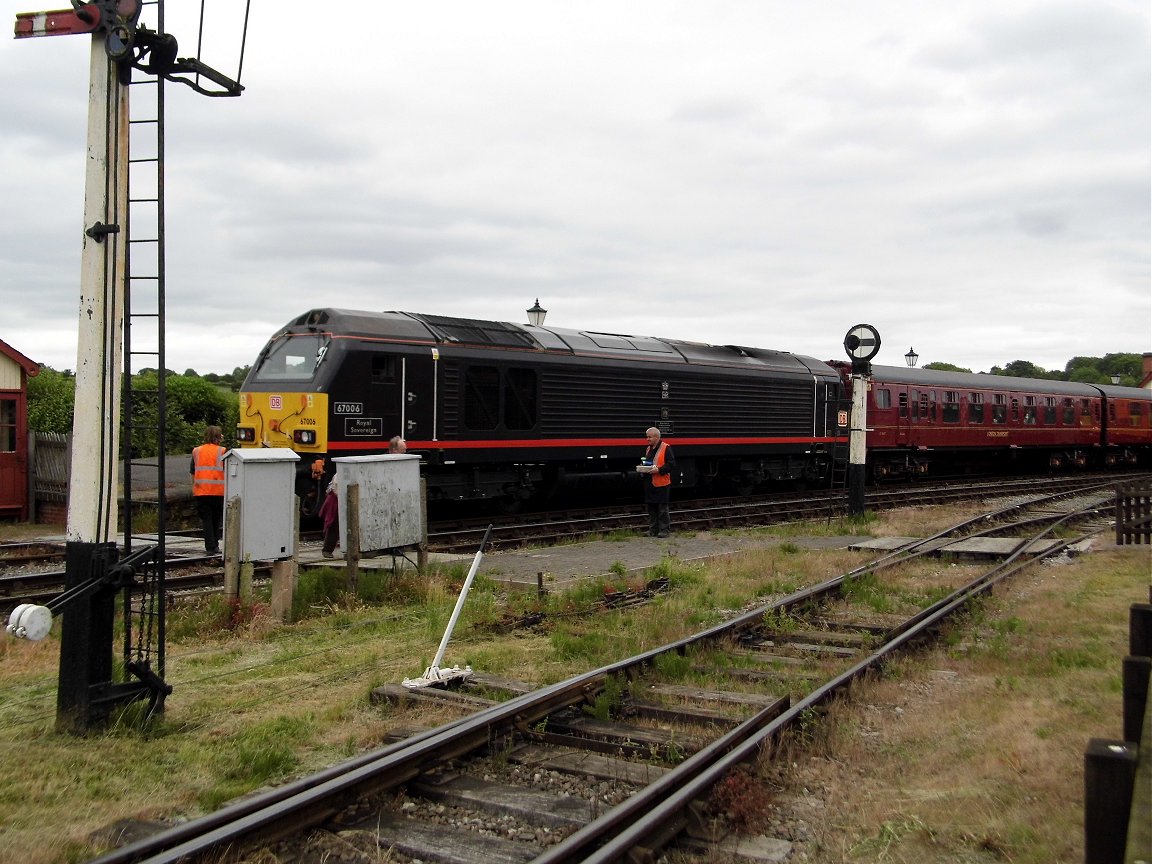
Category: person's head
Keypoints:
(397, 445)
(653, 435)
(213, 435)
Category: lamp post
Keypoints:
(536, 314)
(911, 357)
(1115, 379)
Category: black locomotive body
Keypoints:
(508, 411)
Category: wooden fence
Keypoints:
(48, 480)
(1133, 513)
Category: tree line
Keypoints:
(1083, 370)
(192, 402)
(195, 401)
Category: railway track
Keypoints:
(654, 739)
(713, 514)
(27, 575)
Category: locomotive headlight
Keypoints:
(245, 433)
(304, 436)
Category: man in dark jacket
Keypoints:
(657, 467)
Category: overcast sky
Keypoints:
(971, 177)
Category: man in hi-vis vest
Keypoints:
(657, 467)
(207, 471)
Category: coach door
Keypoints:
(13, 460)
(908, 407)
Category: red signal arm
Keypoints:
(65, 22)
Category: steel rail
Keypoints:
(287, 809)
(652, 816)
(280, 812)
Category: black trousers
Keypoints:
(211, 511)
(659, 519)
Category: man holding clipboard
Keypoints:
(656, 469)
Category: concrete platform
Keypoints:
(971, 547)
(557, 567)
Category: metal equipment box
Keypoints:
(390, 511)
(263, 482)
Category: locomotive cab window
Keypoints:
(383, 369)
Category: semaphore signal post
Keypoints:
(96, 575)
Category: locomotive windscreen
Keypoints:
(292, 358)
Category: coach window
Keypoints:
(975, 407)
(903, 404)
(1030, 410)
(1112, 413)
(884, 398)
(1136, 413)
(520, 399)
(1015, 410)
(1069, 411)
(951, 407)
(482, 397)
(1049, 410)
(999, 408)
(383, 369)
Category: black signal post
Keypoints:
(862, 344)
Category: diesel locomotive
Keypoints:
(509, 412)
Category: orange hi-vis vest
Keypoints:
(658, 461)
(208, 478)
